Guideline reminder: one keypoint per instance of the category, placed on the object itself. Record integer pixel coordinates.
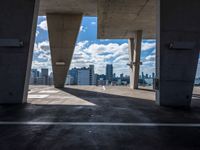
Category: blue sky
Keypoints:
(90, 50)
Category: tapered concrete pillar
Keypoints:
(178, 44)
(17, 35)
(63, 30)
(134, 58)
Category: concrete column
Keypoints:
(63, 30)
(17, 35)
(134, 58)
(178, 40)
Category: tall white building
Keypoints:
(86, 76)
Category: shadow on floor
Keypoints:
(109, 100)
(109, 108)
(146, 89)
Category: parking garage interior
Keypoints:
(101, 117)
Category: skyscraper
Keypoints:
(92, 77)
(45, 75)
(109, 72)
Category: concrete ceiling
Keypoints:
(116, 18)
(87, 7)
(120, 19)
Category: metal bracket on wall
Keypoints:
(11, 43)
(182, 45)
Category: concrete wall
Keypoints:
(63, 31)
(178, 45)
(18, 22)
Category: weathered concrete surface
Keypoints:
(116, 19)
(18, 21)
(52, 96)
(86, 7)
(134, 58)
(120, 19)
(115, 104)
(63, 31)
(177, 51)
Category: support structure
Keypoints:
(63, 30)
(178, 44)
(134, 58)
(17, 35)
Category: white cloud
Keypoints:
(150, 58)
(41, 55)
(100, 55)
(43, 25)
(38, 65)
(44, 56)
(97, 54)
(148, 45)
(83, 29)
(93, 23)
(42, 46)
(37, 33)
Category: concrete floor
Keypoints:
(72, 118)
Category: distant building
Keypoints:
(153, 75)
(33, 78)
(121, 76)
(109, 72)
(45, 75)
(114, 75)
(101, 81)
(41, 78)
(41, 81)
(44, 72)
(143, 75)
(69, 80)
(147, 76)
(74, 73)
(83, 76)
(92, 75)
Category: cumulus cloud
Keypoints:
(93, 23)
(43, 25)
(41, 55)
(42, 46)
(39, 65)
(86, 53)
(150, 58)
(148, 45)
(99, 55)
(83, 29)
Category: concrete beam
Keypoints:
(63, 30)
(17, 35)
(178, 44)
(87, 7)
(120, 19)
(134, 58)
